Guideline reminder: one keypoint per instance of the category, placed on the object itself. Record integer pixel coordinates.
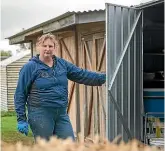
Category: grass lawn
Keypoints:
(9, 133)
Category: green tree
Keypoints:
(6, 53)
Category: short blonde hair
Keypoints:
(41, 39)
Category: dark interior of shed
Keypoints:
(153, 46)
(153, 68)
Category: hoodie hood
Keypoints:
(37, 60)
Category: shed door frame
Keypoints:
(115, 69)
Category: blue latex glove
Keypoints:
(23, 127)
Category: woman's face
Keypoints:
(47, 48)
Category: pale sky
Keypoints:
(18, 14)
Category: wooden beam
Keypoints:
(88, 57)
(90, 112)
(102, 53)
(103, 113)
(101, 101)
(16, 40)
(67, 51)
(70, 96)
(58, 24)
(77, 88)
(60, 49)
(95, 97)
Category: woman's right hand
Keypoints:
(23, 127)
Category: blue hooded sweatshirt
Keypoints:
(44, 86)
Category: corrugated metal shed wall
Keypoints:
(124, 28)
(3, 89)
(9, 76)
(12, 78)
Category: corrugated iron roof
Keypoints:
(87, 11)
(79, 12)
(55, 19)
(42, 24)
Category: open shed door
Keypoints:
(124, 101)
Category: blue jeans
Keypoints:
(46, 122)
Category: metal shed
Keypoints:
(108, 40)
(10, 68)
(129, 32)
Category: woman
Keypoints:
(43, 87)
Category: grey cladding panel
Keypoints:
(124, 72)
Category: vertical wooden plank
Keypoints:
(89, 123)
(66, 50)
(94, 65)
(87, 54)
(77, 90)
(102, 111)
(60, 49)
(70, 96)
(83, 95)
(101, 56)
